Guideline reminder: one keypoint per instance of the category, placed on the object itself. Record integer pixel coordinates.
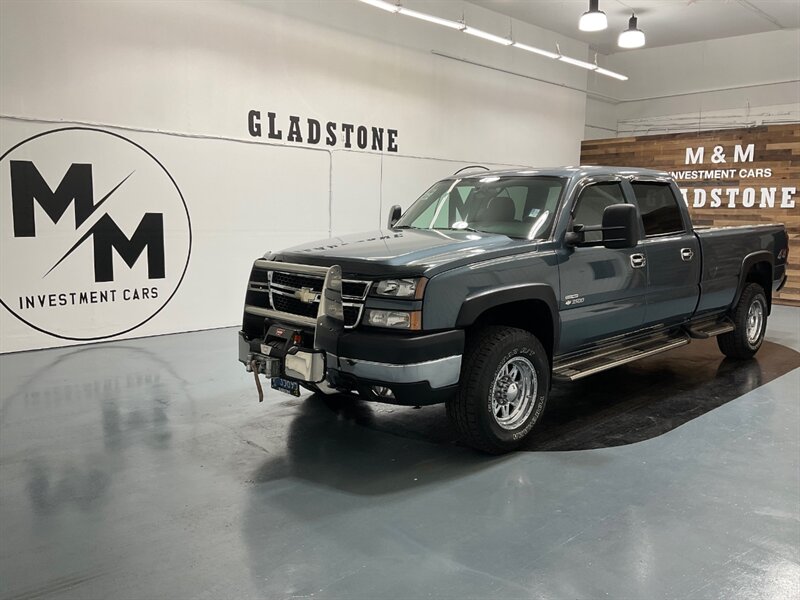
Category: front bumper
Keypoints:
(419, 370)
(440, 372)
(378, 364)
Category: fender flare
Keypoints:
(747, 263)
(477, 304)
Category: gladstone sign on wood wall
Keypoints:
(727, 177)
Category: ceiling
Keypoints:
(664, 22)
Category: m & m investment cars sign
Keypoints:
(727, 177)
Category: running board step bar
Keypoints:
(602, 359)
(709, 329)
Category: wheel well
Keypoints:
(761, 273)
(531, 315)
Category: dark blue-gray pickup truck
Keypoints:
(494, 284)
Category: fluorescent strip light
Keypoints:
(578, 63)
(610, 74)
(387, 6)
(546, 53)
(430, 18)
(488, 36)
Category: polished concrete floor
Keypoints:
(146, 469)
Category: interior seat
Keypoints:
(500, 208)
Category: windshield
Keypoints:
(519, 207)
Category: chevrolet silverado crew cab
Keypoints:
(493, 285)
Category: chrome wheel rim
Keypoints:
(755, 322)
(514, 392)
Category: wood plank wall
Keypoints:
(776, 147)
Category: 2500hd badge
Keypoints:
(492, 285)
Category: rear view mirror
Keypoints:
(620, 226)
(394, 215)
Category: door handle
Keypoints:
(638, 261)
(687, 254)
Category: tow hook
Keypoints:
(254, 368)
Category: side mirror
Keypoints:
(620, 226)
(394, 215)
(576, 237)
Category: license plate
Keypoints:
(286, 386)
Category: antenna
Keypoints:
(471, 167)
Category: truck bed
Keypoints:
(722, 251)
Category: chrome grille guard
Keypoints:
(330, 315)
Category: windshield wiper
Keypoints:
(513, 237)
(458, 229)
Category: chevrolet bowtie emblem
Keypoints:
(306, 295)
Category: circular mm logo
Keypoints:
(95, 236)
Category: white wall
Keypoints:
(179, 78)
(729, 82)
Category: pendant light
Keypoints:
(593, 19)
(632, 37)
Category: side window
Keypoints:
(591, 204)
(658, 207)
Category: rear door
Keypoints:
(603, 290)
(673, 253)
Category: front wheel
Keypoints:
(750, 324)
(505, 379)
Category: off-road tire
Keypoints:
(735, 344)
(470, 410)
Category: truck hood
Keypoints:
(411, 251)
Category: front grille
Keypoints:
(296, 307)
(282, 286)
(296, 281)
(351, 289)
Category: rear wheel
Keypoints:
(505, 378)
(750, 324)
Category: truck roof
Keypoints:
(572, 172)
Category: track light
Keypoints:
(632, 37)
(387, 6)
(578, 63)
(608, 73)
(593, 19)
(546, 53)
(487, 36)
(430, 18)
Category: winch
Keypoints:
(297, 354)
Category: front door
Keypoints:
(673, 254)
(603, 290)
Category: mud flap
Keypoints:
(330, 317)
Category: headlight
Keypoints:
(394, 319)
(401, 288)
